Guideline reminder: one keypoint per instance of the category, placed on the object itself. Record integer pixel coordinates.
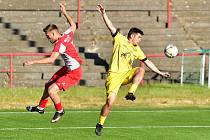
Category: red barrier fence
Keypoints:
(11, 55)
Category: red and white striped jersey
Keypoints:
(66, 48)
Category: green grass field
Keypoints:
(161, 112)
(145, 124)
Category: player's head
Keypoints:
(135, 35)
(51, 32)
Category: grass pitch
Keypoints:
(161, 112)
(145, 124)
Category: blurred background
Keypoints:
(184, 23)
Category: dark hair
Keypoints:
(134, 30)
(49, 28)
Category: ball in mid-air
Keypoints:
(170, 51)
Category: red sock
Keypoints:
(42, 103)
(58, 106)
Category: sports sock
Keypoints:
(102, 120)
(58, 107)
(42, 104)
(133, 88)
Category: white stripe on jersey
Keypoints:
(62, 48)
(70, 62)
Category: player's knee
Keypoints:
(51, 90)
(141, 71)
(139, 75)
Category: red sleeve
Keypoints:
(56, 47)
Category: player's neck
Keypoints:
(58, 36)
(131, 42)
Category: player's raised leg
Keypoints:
(136, 80)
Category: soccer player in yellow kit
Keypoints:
(125, 51)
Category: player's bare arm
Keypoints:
(68, 17)
(155, 69)
(48, 60)
(107, 21)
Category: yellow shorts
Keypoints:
(115, 80)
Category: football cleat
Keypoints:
(98, 129)
(130, 96)
(34, 109)
(57, 116)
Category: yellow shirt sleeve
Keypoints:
(141, 54)
(119, 38)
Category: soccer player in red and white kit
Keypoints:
(68, 75)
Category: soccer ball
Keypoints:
(170, 51)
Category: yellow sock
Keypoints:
(102, 120)
(133, 88)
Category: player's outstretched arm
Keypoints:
(155, 69)
(68, 17)
(108, 23)
(48, 60)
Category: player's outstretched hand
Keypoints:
(63, 8)
(27, 63)
(100, 9)
(166, 74)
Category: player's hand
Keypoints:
(63, 8)
(27, 63)
(165, 74)
(100, 9)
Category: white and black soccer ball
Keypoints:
(170, 51)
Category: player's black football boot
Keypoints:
(130, 96)
(34, 109)
(57, 116)
(98, 129)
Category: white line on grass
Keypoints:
(117, 111)
(120, 127)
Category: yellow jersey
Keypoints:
(124, 54)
